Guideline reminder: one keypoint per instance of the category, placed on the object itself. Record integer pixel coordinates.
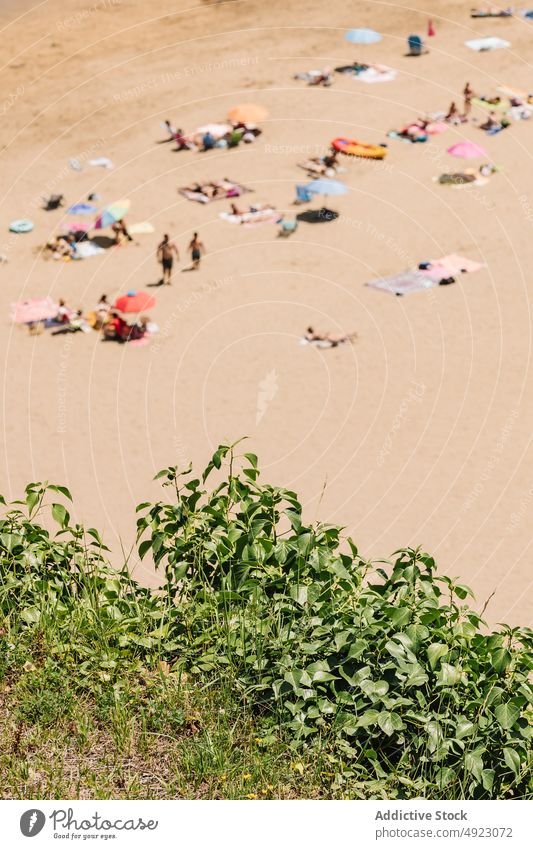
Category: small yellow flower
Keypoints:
(251, 795)
(246, 776)
(298, 767)
(258, 741)
(270, 786)
(224, 777)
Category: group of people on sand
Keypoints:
(207, 140)
(103, 318)
(65, 246)
(167, 252)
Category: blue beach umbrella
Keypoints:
(362, 36)
(329, 188)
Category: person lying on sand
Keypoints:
(333, 339)
(62, 247)
(316, 77)
(323, 165)
(493, 124)
(76, 323)
(414, 132)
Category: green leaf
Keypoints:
(506, 715)
(435, 652)
(487, 779)
(512, 759)
(63, 490)
(474, 764)
(60, 514)
(464, 728)
(390, 722)
(449, 675)
(252, 459)
(500, 660)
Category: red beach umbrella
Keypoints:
(135, 302)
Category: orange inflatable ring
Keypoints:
(354, 148)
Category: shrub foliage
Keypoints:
(383, 668)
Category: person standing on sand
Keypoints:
(196, 247)
(166, 251)
(468, 94)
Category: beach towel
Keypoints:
(503, 106)
(489, 43)
(377, 74)
(455, 264)
(84, 250)
(102, 162)
(405, 283)
(512, 92)
(252, 219)
(36, 309)
(141, 228)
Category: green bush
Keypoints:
(386, 667)
(382, 674)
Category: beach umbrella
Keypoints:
(135, 302)
(467, 150)
(362, 36)
(37, 309)
(328, 188)
(112, 213)
(82, 209)
(247, 113)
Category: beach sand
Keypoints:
(420, 432)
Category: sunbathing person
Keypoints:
(62, 247)
(491, 123)
(413, 132)
(333, 339)
(76, 323)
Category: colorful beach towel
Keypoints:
(252, 219)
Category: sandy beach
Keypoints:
(419, 433)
